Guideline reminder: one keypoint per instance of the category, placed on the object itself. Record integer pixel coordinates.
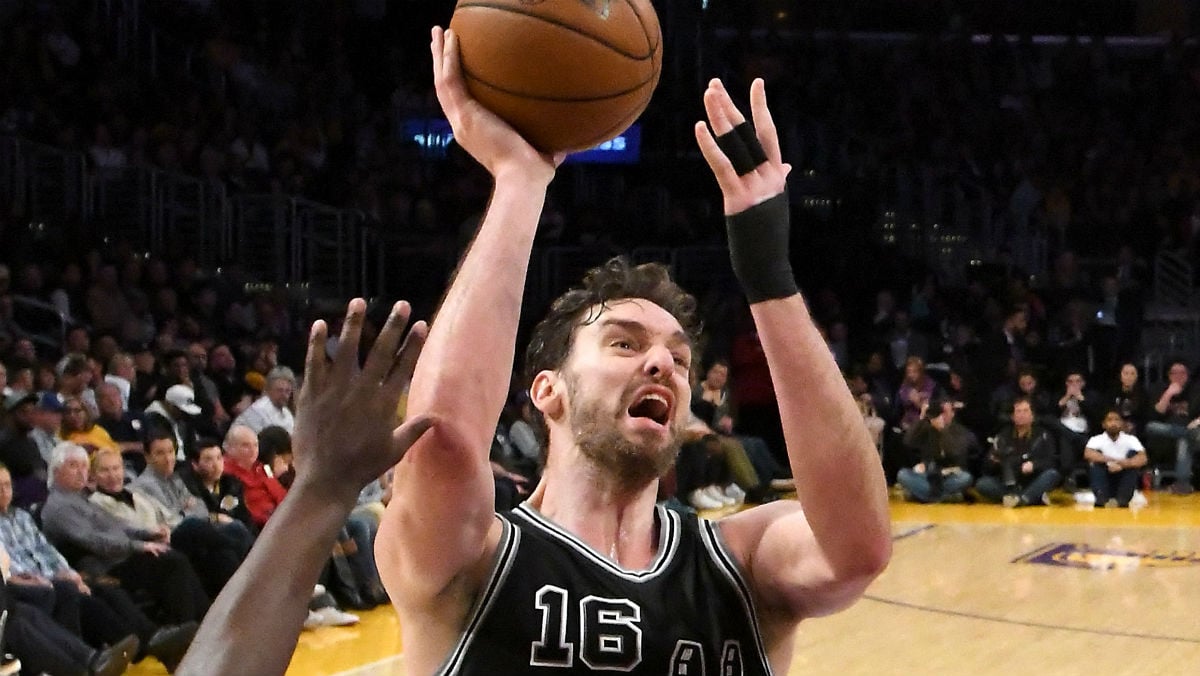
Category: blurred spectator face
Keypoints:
(6, 489)
(24, 349)
(1022, 415)
(3, 377)
(875, 363)
(108, 472)
(48, 420)
(105, 347)
(25, 416)
(144, 361)
(46, 380)
(95, 372)
(1178, 374)
(210, 464)
(72, 474)
(160, 456)
(180, 368)
(1018, 322)
(279, 391)
(1027, 383)
(221, 360)
(1129, 375)
(78, 340)
(242, 446)
(108, 400)
(885, 303)
(717, 377)
(74, 416)
(1114, 424)
(1075, 380)
(914, 371)
(22, 379)
(197, 357)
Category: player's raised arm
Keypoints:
(439, 521)
(818, 559)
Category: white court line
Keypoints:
(376, 668)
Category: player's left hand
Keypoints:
(767, 179)
(345, 415)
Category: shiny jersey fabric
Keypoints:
(552, 605)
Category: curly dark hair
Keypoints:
(617, 279)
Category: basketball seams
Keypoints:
(645, 29)
(557, 99)
(649, 56)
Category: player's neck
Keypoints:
(617, 522)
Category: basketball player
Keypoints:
(588, 575)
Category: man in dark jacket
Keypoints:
(944, 447)
(1019, 470)
(223, 494)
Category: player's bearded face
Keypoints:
(594, 425)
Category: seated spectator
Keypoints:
(75, 380)
(275, 454)
(175, 411)
(1019, 471)
(79, 427)
(125, 428)
(121, 375)
(915, 392)
(19, 452)
(272, 407)
(100, 612)
(1116, 460)
(1129, 397)
(1175, 419)
(1026, 386)
(47, 422)
(1076, 417)
(213, 556)
(217, 545)
(45, 647)
(754, 467)
(944, 447)
(263, 493)
(223, 494)
(98, 543)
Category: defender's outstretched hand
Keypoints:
(766, 174)
(489, 139)
(345, 435)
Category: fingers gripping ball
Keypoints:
(566, 74)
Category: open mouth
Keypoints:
(652, 406)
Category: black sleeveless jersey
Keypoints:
(552, 605)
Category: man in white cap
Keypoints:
(175, 411)
(272, 407)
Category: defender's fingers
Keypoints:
(346, 359)
(314, 361)
(764, 124)
(404, 436)
(383, 353)
(405, 361)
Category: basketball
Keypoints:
(566, 74)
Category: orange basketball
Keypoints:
(566, 74)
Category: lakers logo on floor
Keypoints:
(1076, 555)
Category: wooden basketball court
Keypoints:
(972, 589)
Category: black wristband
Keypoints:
(758, 248)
